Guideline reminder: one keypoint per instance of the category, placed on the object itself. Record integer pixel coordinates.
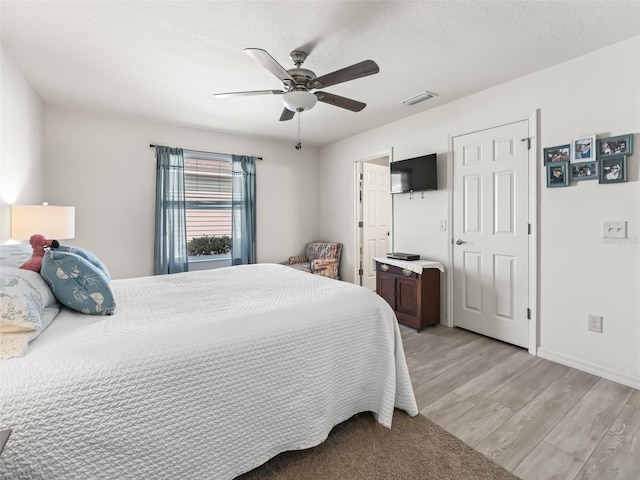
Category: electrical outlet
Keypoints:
(595, 323)
(614, 229)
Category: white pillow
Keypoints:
(24, 296)
(15, 255)
(15, 344)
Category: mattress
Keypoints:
(200, 375)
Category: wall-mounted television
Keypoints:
(414, 174)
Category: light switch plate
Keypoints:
(614, 229)
(443, 225)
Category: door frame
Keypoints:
(357, 170)
(534, 139)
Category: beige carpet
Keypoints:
(414, 449)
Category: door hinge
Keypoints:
(360, 224)
(361, 272)
(360, 196)
(528, 140)
(361, 176)
(528, 314)
(528, 228)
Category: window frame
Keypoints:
(202, 262)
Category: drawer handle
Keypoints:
(384, 267)
(407, 273)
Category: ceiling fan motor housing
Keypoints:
(298, 98)
(303, 78)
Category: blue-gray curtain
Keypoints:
(243, 210)
(171, 225)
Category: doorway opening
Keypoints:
(373, 214)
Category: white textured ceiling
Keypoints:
(164, 59)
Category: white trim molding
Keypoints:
(589, 367)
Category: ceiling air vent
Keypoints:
(421, 97)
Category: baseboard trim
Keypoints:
(589, 368)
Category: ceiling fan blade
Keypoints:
(270, 63)
(338, 101)
(286, 115)
(359, 70)
(246, 94)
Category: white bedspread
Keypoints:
(202, 375)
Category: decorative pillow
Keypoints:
(86, 254)
(24, 296)
(15, 254)
(15, 344)
(77, 283)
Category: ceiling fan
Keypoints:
(298, 82)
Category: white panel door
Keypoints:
(490, 233)
(376, 213)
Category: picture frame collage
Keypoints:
(588, 158)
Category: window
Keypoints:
(207, 179)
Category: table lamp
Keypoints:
(54, 222)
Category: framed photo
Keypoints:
(584, 171)
(621, 145)
(558, 174)
(613, 169)
(584, 149)
(561, 153)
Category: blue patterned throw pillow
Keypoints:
(77, 283)
(86, 254)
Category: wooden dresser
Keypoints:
(412, 289)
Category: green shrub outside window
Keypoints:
(209, 245)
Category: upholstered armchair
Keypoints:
(320, 258)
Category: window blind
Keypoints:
(207, 194)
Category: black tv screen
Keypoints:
(414, 174)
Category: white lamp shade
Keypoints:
(55, 223)
(298, 101)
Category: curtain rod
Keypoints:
(196, 151)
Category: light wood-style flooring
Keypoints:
(538, 419)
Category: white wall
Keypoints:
(579, 272)
(104, 166)
(21, 139)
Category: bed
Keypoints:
(200, 375)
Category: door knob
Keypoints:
(459, 242)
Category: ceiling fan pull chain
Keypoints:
(299, 144)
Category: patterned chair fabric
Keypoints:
(320, 258)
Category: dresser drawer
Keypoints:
(392, 269)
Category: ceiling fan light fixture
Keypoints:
(298, 101)
(421, 97)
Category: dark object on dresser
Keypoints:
(403, 256)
